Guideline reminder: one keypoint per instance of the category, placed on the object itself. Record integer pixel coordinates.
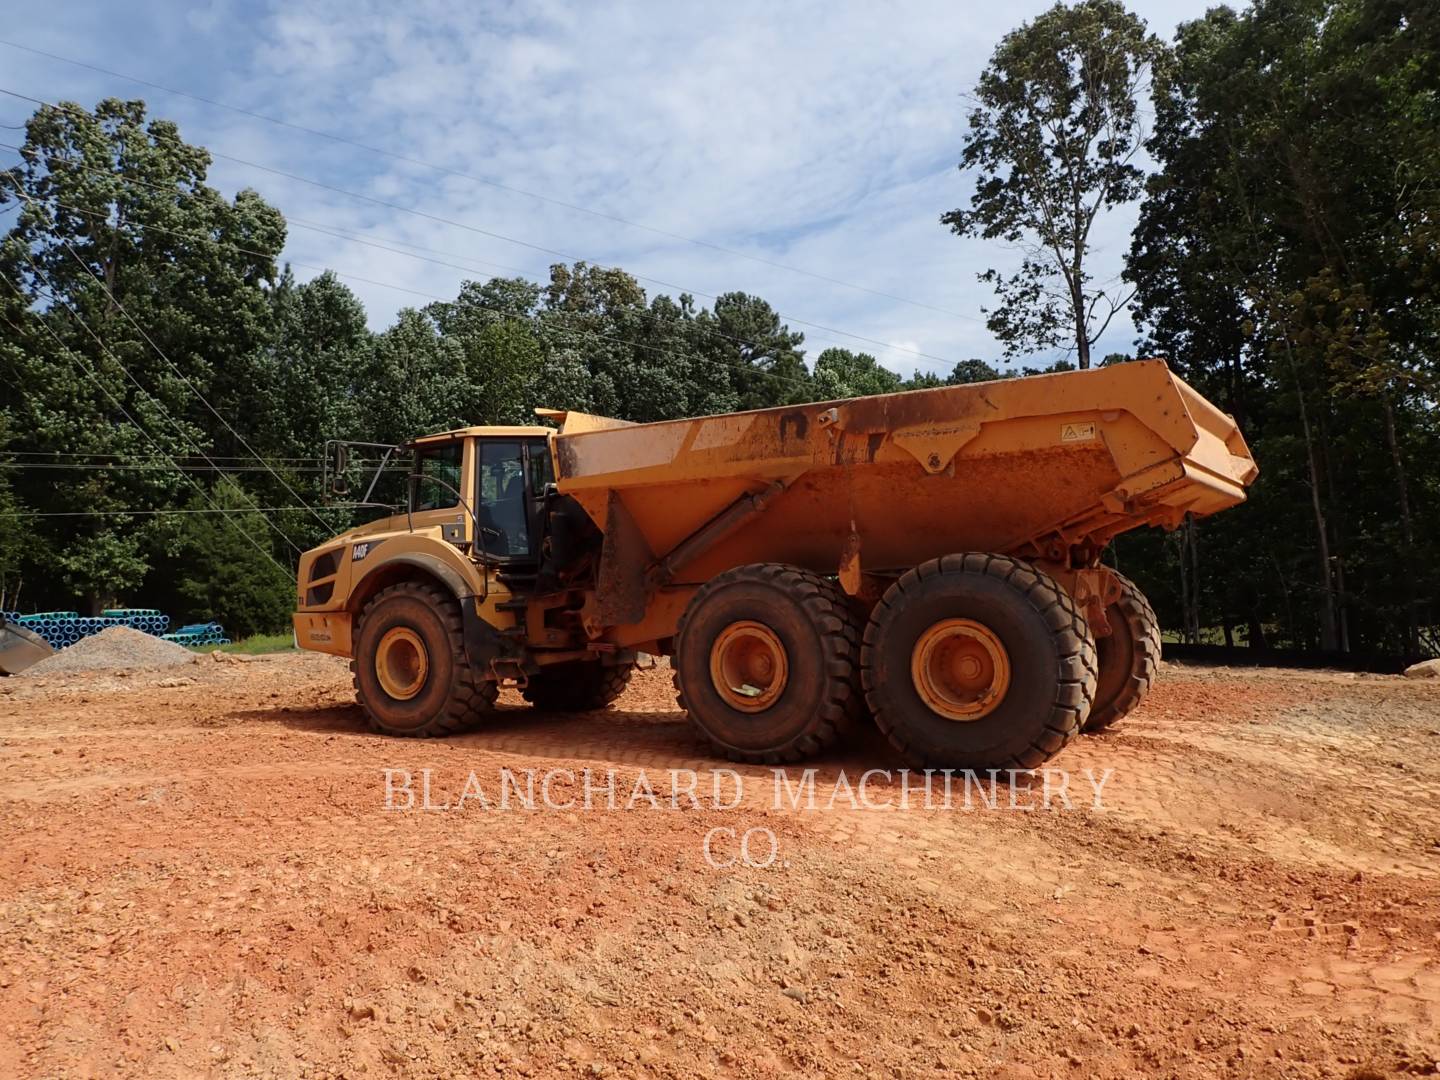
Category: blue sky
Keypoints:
(819, 136)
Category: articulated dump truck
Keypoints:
(931, 559)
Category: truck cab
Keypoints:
(491, 483)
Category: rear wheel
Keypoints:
(1129, 657)
(411, 673)
(576, 686)
(765, 662)
(978, 661)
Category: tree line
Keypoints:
(169, 383)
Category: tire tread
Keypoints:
(1075, 649)
(471, 699)
(839, 629)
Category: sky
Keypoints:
(802, 152)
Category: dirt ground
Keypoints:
(201, 878)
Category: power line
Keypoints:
(164, 412)
(126, 413)
(153, 397)
(451, 222)
(109, 453)
(499, 311)
(172, 365)
(393, 155)
(161, 513)
(173, 467)
(644, 313)
(103, 466)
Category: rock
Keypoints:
(1426, 669)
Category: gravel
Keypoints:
(114, 648)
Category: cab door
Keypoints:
(510, 484)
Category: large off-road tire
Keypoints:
(978, 661)
(765, 662)
(411, 673)
(577, 686)
(1129, 657)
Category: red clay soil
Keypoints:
(201, 878)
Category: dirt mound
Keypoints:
(117, 647)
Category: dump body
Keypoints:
(1040, 466)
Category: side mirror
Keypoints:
(339, 465)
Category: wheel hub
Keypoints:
(748, 666)
(960, 669)
(401, 663)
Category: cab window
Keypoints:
(503, 513)
(542, 470)
(439, 472)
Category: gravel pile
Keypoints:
(115, 648)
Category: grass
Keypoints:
(252, 646)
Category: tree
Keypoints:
(13, 556)
(318, 349)
(1054, 133)
(413, 381)
(759, 355)
(1286, 260)
(971, 371)
(840, 373)
(140, 288)
(219, 574)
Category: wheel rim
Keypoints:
(748, 666)
(401, 663)
(960, 669)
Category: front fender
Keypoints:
(483, 643)
(457, 582)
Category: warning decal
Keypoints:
(1077, 432)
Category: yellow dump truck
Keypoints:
(929, 558)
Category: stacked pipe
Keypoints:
(62, 628)
(211, 633)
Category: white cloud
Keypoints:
(818, 135)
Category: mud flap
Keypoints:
(483, 643)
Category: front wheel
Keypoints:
(978, 661)
(765, 662)
(411, 673)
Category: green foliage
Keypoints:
(840, 373)
(129, 285)
(972, 371)
(1054, 132)
(1286, 262)
(220, 574)
(255, 645)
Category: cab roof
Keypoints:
(466, 432)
